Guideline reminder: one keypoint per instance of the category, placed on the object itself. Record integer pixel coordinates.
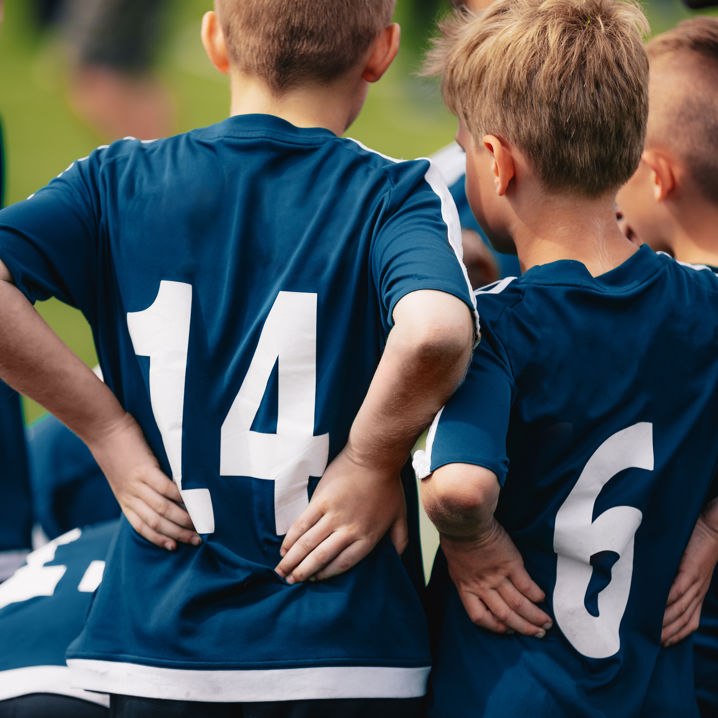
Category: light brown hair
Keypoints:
(684, 108)
(565, 81)
(290, 42)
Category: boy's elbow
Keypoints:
(459, 492)
(438, 326)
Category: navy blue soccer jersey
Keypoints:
(43, 607)
(240, 281)
(594, 401)
(705, 641)
(451, 161)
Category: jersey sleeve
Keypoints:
(418, 243)
(49, 241)
(473, 426)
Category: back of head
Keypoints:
(684, 99)
(290, 43)
(563, 80)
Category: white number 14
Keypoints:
(288, 457)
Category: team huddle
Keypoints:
(280, 312)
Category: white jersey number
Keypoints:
(578, 537)
(36, 578)
(288, 457)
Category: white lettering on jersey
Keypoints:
(35, 578)
(288, 457)
(578, 537)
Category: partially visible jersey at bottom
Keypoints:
(43, 607)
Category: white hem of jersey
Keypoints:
(45, 679)
(234, 686)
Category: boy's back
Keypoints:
(610, 441)
(227, 274)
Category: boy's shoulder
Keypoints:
(257, 135)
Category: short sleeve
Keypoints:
(418, 243)
(49, 241)
(473, 426)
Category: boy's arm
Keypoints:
(37, 363)
(360, 495)
(483, 561)
(685, 600)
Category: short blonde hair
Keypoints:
(565, 81)
(290, 42)
(685, 115)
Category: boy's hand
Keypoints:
(150, 501)
(351, 510)
(495, 588)
(689, 588)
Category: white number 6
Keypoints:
(578, 537)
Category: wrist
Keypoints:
(374, 458)
(470, 537)
(103, 433)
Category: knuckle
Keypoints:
(476, 615)
(153, 522)
(514, 602)
(161, 505)
(304, 544)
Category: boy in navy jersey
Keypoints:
(43, 606)
(671, 203)
(271, 304)
(566, 474)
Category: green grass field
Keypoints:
(403, 116)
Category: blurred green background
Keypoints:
(403, 116)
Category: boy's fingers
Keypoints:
(162, 484)
(506, 615)
(303, 547)
(147, 533)
(679, 587)
(320, 558)
(680, 605)
(524, 583)
(523, 607)
(306, 520)
(479, 613)
(166, 508)
(682, 627)
(345, 560)
(157, 525)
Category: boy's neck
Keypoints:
(694, 235)
(333, 106)
(562, 227)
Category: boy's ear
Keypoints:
(213, 41)
(503, 166)
(663, 177)
(382, 53)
